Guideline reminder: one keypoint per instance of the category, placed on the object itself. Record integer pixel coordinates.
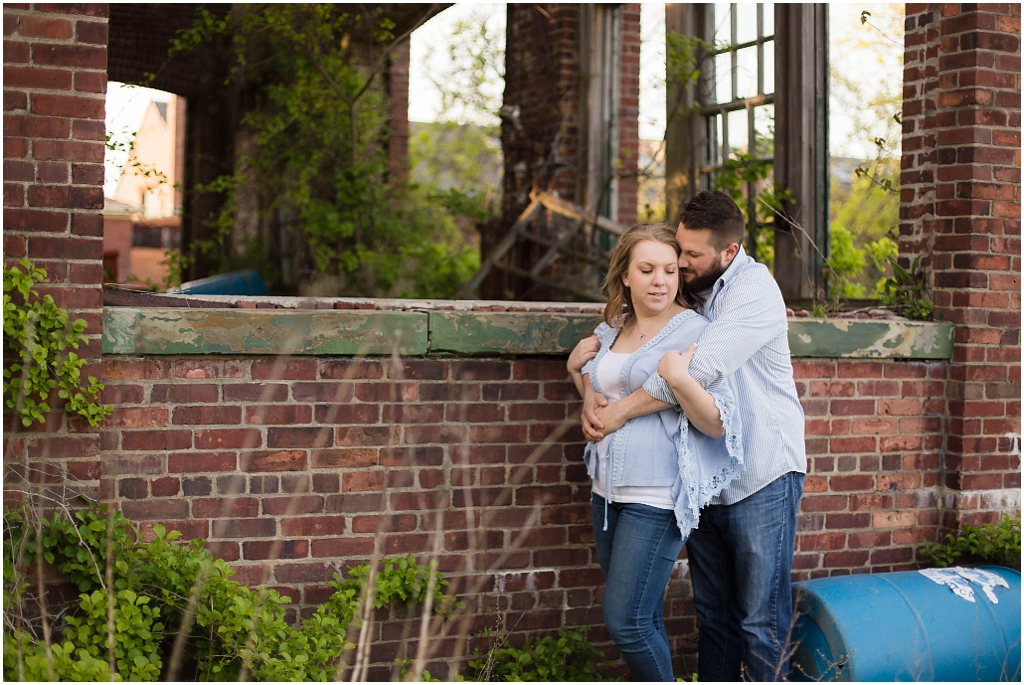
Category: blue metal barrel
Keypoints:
(934, 625)
(245, 282)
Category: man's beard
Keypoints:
(704, 281)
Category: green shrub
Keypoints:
(567, 657)
(163, 586)
(997, 543)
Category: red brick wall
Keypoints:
(961, 212)
(294, 467)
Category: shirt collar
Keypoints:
(737, 265)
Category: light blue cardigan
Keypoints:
(660, 449)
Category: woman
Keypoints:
(652, 475)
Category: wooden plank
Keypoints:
(568, 209)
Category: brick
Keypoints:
(360, 481)
(852, 407)
(178, 393)
(211, 369)
(92, 32)
(351, 370)
(255, 392)
(226, 507)
(165, 487)
(201, 462)
(241, 438)
(202, 415)
(244, 528)
(275, 549)
(293, 505)
(281, 460)
(137, 417)
(893, 519)
(34, 126)
(83, 129)
(300, 437)
(78, 56)
(284, 368)
(344, 458)
(87, 224)
(35, 221)
(68, 106)
(323, 392)
(150, 509)
(480, 370)
(343, 547)
(42, 27)
(313, 526)
(278, 414)
(156, 440)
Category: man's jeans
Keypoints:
(740, 560)
(637, 553)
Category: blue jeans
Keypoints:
(636, 554)
(740, 560)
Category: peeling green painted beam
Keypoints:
(263, 331)
(498, 333)
(159, 331)
(870, 339)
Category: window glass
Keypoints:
(737, 132)
(746, 73)
(723, 77)
(746, 24)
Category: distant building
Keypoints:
(142, 221)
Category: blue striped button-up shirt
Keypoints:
(748, 336)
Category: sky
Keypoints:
(849, 51)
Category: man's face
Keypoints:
(700, 264)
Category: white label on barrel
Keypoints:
(959, 579)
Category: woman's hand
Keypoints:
(584, 351)
(674, 367)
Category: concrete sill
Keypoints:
(448, 329)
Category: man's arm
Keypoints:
(751, 314)
(696, 402)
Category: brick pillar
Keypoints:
(55, 80)
(629, 114)
(397, 79)
(961, 210)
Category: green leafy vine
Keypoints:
(40, 337)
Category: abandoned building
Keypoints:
(295, 435)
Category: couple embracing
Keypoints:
(695, 437)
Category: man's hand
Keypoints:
(592, 425)
(674, 367)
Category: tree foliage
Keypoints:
(318, 163)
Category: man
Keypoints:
(741, 554)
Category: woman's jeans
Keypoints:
(740, 560)
(637, 553)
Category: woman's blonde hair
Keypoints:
(620, 304)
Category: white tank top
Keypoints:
(660, 497)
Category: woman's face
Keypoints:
(652, 277)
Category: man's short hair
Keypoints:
(714, 210)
